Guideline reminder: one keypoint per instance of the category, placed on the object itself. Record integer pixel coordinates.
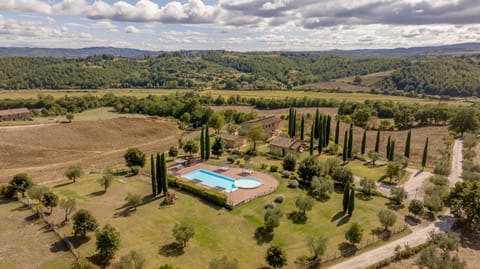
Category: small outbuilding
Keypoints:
(281, 146)
(232, 141)
(15, 114)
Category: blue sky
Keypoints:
(242, 25)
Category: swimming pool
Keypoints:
(247, 183)
(212, 179)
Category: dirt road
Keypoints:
(420, 234)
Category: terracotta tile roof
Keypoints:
(14, 111)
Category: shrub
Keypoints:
(135, 170)
(230, 159)
(273, 168)
(293, 184)
(209, 195)
(263, 166)
(289, 162)
(269, 205)
(279, 199)
(286, 174)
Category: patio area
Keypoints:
(238, 196)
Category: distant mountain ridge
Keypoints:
(464, 48)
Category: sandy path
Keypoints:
(420, 234)
(415, 182)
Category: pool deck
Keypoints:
(239, 196)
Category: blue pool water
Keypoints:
(212, 179)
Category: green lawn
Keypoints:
(218, 231)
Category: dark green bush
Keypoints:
(273, 168)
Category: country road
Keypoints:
(420, 234)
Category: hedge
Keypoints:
(208, 195)
(401, 255)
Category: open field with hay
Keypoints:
(45, 151)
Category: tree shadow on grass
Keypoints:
(412, 221)
(32, 217)
(382, 233)
(344, 220)
(63, 184)
(297, 217)
(97, 193)
(347, 249)
(174, 249)
(77, 241)
(98, 260)
(125, 212)
(392, 205)
(20, 208)
(58, 246)
(338, 215)
(262, 236)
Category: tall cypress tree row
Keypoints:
(407, 144)
(320, 144)
(351, 201)
(164, 174)
(364, 141)
(377, 142)
(329, 122)
(311, 140)
(337, 132)
(154, 178)
(392, 150)
(159, 174)
(207, 143)
(350, 143)
(387, 153)
(202, 143)
(302, 128)
(425, 154)
(294, 123)
(346, 192)
(345, 147)
(315, 124)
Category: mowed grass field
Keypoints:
(45, 151)
(218, 231)
(26, 242)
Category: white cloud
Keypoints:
(131, 29)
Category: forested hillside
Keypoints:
(447, 76)
(434, 75)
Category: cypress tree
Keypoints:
(302, 128)
(315, 123)
(337, 132)
(350, 142)
(345, 147)
(425, 153)
(329, 122)
(351, 202)
(164, 174)
(154, 178)
(207, 143)
(364, 141)
(159, 174)
(294, 123)
(346, 191)
(311, 140)
(202, 143)
(388, 149)
(392, 150)
(377, 142)
(325, 134)
(407, 144)
(320, 144)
